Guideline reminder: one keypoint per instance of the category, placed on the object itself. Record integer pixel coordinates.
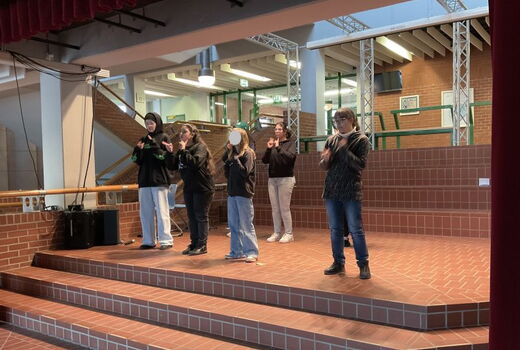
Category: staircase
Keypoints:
(124, 298)
(420, 191)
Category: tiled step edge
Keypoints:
(19, 310)
(264, 331)
(437, 222)
(416, 317)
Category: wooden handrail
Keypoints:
(114, 165)
(10, 204)
(6, 194)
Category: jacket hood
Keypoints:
(158, 122)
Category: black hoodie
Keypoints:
(281, 159)
(151, 159)
(192, 164)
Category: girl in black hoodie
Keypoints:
(153, 180)
(194, 162)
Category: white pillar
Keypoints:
(313, 87)
(66, 131)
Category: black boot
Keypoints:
(198, 251)
(364, 271)
(187, 250)
(335, 268)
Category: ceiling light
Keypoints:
(394, 47)
(171, 76)
(349, 82)
(226, 67)
(156, 93)
(293, 64)
(206, 77)
(257, 96)
(204, 58)
(219, 103)
(335, 92)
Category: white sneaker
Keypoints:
(286, 238)
(228, 234)
(251, 259)
(274, 237)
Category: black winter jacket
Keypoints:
(240, 174)
(151, 159)
(192, 164)
(343, 180)
(281, 159)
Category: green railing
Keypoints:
(384, 134)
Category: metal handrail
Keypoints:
(121, 100)
(114, 165)
(7, 194)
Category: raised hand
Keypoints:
(182, 144)
(276, 142)
(270, 143)
(140, 144)
(169, 146)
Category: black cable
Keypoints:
(91, 138)
(23, 124)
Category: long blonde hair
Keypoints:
(243, 146)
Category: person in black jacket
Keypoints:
(344, 157)
(281, 156)
(239, 169)
(153, 180)
(194, 162)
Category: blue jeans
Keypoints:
(336, 212)
(240, 221)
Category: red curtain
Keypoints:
(504, 333)
(21, 19)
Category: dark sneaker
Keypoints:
(146, 246)
(347, 243)
(187, 250)
(364, 271)
(165, 246)
(334, 269)
(198, 251)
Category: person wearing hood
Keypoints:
(344, 158)
(153, 181)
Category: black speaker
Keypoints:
(106, 227)
(79, 233)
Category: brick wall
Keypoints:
(23, 234)
(428, 78)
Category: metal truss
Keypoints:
(366, 88)
(290, 49)
(348, 24)
(461, 80)
(452, 5)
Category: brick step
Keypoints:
(410, 197)
(259, 324)
(17, 338)
(377, 309)
(447, 222)
(96, 330)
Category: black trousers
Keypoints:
(197, 206)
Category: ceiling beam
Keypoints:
(385, 51)
(406, 36)
(355, 53)
(428, 40)
(481, 31)
(414, 50)
(377, 54)
(437, 35)
(340, 55)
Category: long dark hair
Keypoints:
(197, 138)
(286, 130)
